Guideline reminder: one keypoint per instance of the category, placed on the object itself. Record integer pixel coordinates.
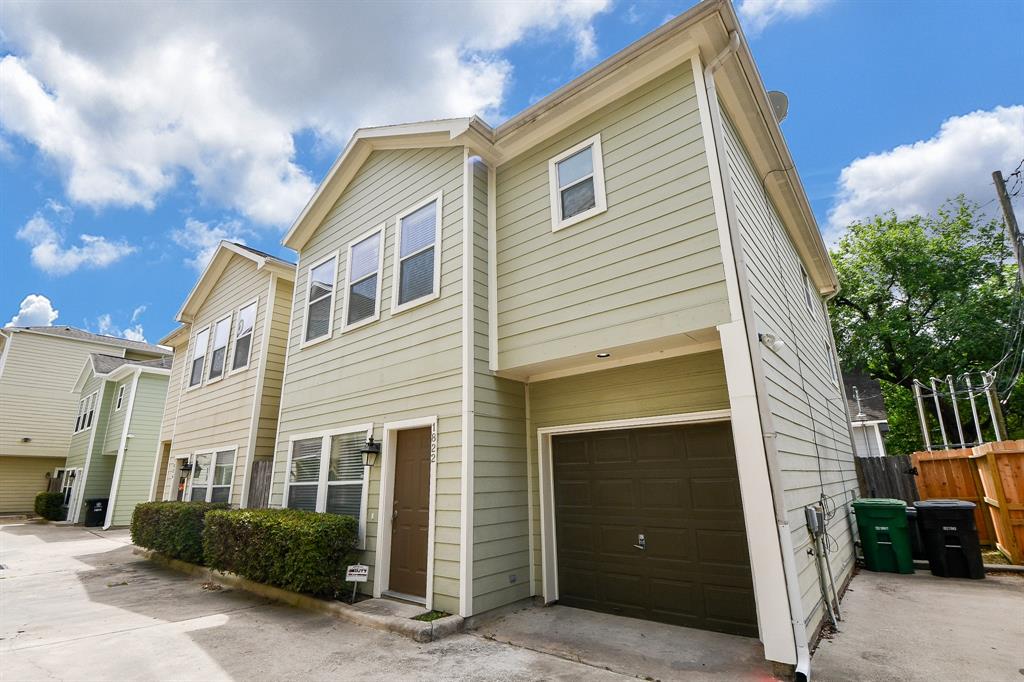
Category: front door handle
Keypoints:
(394, 513)
(641, 541)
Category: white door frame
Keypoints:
(549, 556)
(382, 569)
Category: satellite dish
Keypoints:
(780, 104)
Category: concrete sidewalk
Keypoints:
(921, 628)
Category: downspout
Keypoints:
(803, 653)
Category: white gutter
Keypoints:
(797, 618)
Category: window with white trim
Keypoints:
(807, 288)
(243, 336)
(219, 354)
(362, 293)
(576, 178)
(211, 476)
(320, 299)
(120, 397)
(86, 412)
(418, 254)
(833, 365)
(326, 473)
(195, 376)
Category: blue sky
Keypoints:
(133, 137)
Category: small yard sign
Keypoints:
(357, 573)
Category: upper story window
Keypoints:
(576, 178)
(362, 293)
(195, 376)
(807, 288)
(417, 275)
(86, 412)
(320, 299)
(218, 358)
(120, 397)
(243, 335)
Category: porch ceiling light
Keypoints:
(370, 452)
(604, 355)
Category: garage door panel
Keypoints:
(679, 487)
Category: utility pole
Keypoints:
(1011, 220)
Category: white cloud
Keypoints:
(758, 14)
(105, 325)
(917, 178)
(50, 255)
(201, 239)
(35, 310)
(131, 100)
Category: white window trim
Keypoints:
(82, 411)
(334, 301)
(234, 346)
(325, 461)
(395, 266)
(230, 317)
(119, 403)
(807, 288)
(192, 358)
(345, 326)
(233, 449)
(600, 199)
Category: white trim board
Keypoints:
(382, 567)
(468, 397)
(116, 479)
(549, 554)
(257, 397)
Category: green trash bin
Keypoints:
(884, 535)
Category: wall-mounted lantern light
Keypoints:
(370, 452)
(186, 466)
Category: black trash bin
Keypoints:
(916, 541)
(96, 511)
(950, 538)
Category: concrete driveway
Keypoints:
(909, 628)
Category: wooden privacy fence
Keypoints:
(259, 486)
(990, 475)
(887, 477)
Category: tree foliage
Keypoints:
(921, 297)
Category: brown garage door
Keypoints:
(677, 487)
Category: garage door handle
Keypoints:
(641, 542)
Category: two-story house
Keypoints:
(220, 418)
(39, 409)
(121, 403)
(594, 346)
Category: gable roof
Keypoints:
(76, 334)
(113, 367)
(872, 404)
(705, 30)
(215, 268)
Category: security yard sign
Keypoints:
(357, 573)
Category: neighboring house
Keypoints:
(116, 430)
(869, 420)
(39, 367)
(594, 345)
(221, 413)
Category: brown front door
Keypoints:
(649, 524)
(410, 514)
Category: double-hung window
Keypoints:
(243, 335)
(219, 355)
(195, 376)
(807, 288)
(120, 397)
(362, 292)
(320, 299)
(211, 476)
(417, 273)
(326, 473)
(86, 412)
(576, 179)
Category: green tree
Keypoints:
(926, 296)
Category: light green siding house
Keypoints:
(111, 452)
(593, 346)
(39, 408)
(220, 416)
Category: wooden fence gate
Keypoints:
(889, 476)
(259, 486)
(951, 475)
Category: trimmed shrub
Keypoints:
(50, 506)
(174, 529)
(296, 550)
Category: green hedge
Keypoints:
(174, 529)
(50, 506)
(296, 550)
